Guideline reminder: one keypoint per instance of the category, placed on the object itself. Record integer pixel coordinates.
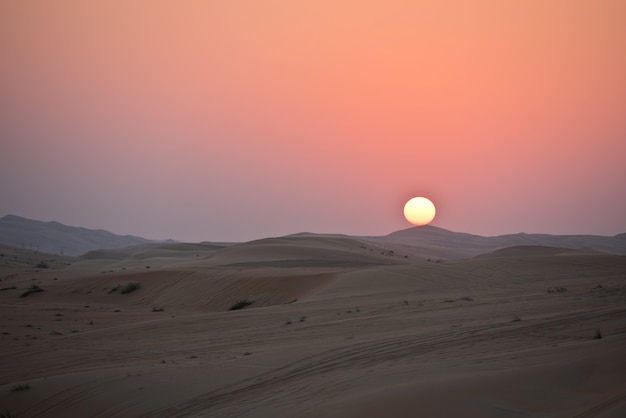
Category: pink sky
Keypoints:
(235, 120)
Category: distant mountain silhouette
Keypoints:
(422, 241)
(438, 242)
(56, 238)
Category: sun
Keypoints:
(419, 211)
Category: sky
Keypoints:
(232, 120)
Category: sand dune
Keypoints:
(537, 251)
(145, 251)
(338, 327)
(307, 251)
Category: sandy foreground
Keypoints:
(337, 328)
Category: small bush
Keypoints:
(20, 388)
(130, 287)
(517, 319)
(240, 304)
(598, 334)
(33, 289)
(6, 414)
(43, 265)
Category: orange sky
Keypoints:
(234, 120)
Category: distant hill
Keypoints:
(432, 241)
(423, 241)
(56, 238)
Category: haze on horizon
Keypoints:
(236, 120)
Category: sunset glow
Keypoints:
(166, 119)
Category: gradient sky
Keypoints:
(235, 120)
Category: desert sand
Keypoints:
(338, 327)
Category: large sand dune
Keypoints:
(338, 327)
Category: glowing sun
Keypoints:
(419, 211)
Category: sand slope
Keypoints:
(338, 327)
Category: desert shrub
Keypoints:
(20, 388)
(6, 414)
(115, 289)
(598, 334)
(129, 287)
(517, 319)
(240, 304)
(32, 289)
(42, 265)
